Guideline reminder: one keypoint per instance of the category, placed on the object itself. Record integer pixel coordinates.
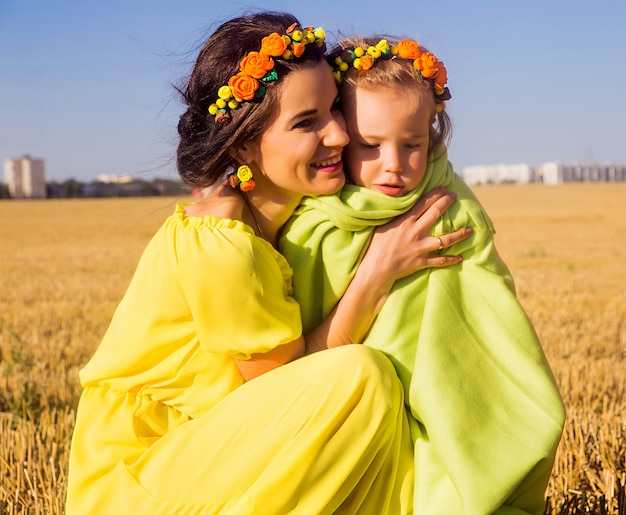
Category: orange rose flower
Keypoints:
(408, 49)
(222, 118)
(298, 49)
(441, 77)
(273, 45)
(233, 180)
(366, 62)
(256, 64)
(247, 185)
(243, 86)
(428, 65)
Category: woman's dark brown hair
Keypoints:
(206, 148)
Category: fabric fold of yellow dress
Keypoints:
(166, 424)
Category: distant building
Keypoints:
(557, 173)
(25, 177)
(498, 174)
(548, 173)
(114, 179)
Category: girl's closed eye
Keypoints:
(368, 146)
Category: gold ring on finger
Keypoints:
(440, 243)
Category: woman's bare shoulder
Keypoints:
(221, 202)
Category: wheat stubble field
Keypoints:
(64, 265)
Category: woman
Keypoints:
(199, 399)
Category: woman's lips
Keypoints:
(330, 165)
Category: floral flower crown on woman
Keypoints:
(426, 64)
(256, 69)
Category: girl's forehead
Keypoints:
(412, 94)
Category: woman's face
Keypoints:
(300, 152)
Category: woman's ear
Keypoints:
(244, 154)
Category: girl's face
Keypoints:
(300, 152)
(389, 136)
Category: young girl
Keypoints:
(199, 399)
(485, 412)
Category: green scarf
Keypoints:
(485, 412)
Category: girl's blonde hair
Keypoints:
(392, 71)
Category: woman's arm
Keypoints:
(260, 363)
(399, 248)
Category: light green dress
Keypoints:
(486, 415)
(167, 425)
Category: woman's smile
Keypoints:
(331, 165)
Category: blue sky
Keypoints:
(86, 84)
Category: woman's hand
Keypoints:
(404, 245)
(397, 249)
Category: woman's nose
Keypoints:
(335, 133)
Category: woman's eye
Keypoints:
(304, 124)
(368, 146)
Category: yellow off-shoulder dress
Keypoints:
(166, 424)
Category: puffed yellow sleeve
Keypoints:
(238, 288)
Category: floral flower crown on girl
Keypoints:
(426, 64)
(257, 68)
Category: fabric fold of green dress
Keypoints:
(485, 411)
